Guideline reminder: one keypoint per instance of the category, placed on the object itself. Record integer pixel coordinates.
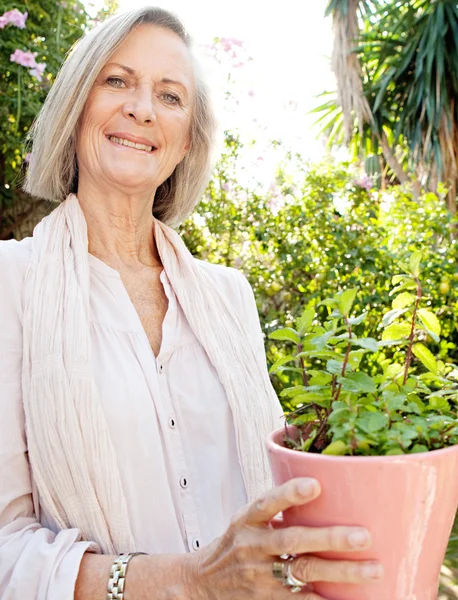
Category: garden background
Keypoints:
(386, 186)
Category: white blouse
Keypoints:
(170, 421)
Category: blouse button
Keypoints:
(161, 368)
(184, 482)
(195, 544)
(172, 423)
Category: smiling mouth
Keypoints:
(129, 144)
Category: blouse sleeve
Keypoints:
(35, 562)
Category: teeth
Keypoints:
(124, 142)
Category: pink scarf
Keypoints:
(70, 450)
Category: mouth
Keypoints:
(128, 144)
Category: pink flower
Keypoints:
(365, 182)
(37, 71)
(28, 157)
(15, 17)
(26, 59)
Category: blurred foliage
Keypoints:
(318, 230)
(51, 28)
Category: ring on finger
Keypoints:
(281, 570)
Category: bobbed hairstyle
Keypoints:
(53, 171)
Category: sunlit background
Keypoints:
(273, 79)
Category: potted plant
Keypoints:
(381, 439)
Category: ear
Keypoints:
(185, 149)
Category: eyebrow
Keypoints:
(132, 72)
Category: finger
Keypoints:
(302, 540)
(277, 522)
(292, 493)
(312, 568)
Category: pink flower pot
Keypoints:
(407, 502)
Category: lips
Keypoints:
(133, 142)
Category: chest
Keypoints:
(147, 295)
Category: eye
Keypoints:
(171, 98)
(116, 82)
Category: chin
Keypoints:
(129, 178)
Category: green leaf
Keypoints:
(430, 321)
(418, 448)
(394, 370)
(355, 357)
(440, 404)
(281, 361)
(404, 300)
(286, 334)
(346, 300)
(321, 341)
(292, 391)
(395, 451)
(394, 401)
(338, 448)
(304, 322)
(367, 343)
(414, 264)
(322, 399)
(392, 315)
(407, 285)
(372, 422)
(362, 382)
(319, 378)
(401, 278)
(426, 357)
(358, 320)
(396, 331)
(334, 367)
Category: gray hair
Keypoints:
(53, 172)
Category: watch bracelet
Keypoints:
(117, 580)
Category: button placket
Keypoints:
(188, 506)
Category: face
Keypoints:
(134, 128)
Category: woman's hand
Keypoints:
(239, 564)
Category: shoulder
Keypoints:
(237, 290)
(14, 261)
(16, 254)
(230, 281)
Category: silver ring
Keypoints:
(282, 572)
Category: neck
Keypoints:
(120, 227)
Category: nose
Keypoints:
(141, 106)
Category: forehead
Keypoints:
(157, 52)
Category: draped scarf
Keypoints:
(71, 454)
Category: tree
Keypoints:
(396, 65)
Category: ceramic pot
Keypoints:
(407, 502)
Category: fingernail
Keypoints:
(306, 488)
(374, 571)
(359, 538)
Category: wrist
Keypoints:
(191, 577)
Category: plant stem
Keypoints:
(306, 380)
(305, 375)
(412, 332)
(19, 86)
(346, 359)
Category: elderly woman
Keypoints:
(134, 393)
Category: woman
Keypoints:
(134, 395)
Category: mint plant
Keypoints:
(406, 403)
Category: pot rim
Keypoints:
(273, 445)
